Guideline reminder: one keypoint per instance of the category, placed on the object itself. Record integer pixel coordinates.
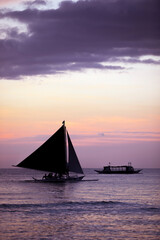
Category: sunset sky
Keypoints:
(93, 63)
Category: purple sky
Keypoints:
(134, 147)
(79, 35)
(94, 63)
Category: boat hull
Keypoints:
(117, 172)
(59, 180)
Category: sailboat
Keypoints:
(56, 156)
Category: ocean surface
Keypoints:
(114, 207)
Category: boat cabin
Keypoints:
(118, 169)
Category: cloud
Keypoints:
(35, 3)
(103, 137)
(79, 35)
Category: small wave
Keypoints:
(71, 203)
(19, 205)
(71, 207)
(92, 203)
(151, 209)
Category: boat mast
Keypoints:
(65, 143)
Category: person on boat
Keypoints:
(50, 175)
(56, 175)
(45, 176)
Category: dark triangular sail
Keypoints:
(74, 165)
(51, 156)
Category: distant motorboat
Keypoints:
(126, 169)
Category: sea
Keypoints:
(114, 207)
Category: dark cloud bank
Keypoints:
(80, 35)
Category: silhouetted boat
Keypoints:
(118, 170)
(56, 155)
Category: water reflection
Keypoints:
(112, 208)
